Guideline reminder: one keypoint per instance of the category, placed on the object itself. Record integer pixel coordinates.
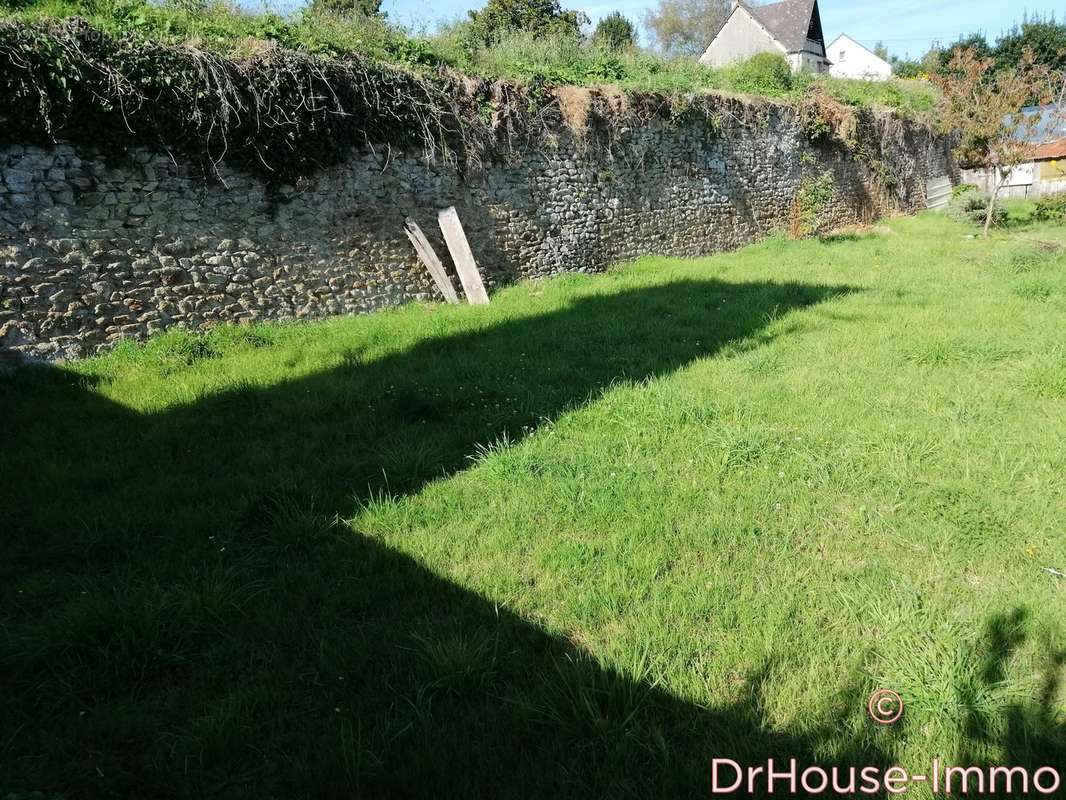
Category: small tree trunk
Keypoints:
(992, 199)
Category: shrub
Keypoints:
(536, 17)
(546, 59)
(615, 32)
(1051, 208)
(905, 69)
(812, 199)
(765, 73)
(366, 8)
(970, 204)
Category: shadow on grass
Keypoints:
(1023, 735)
(182, 617)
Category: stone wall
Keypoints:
(93, 251)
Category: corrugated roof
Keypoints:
(789, 21)
(1050, 151)
(1052, 124)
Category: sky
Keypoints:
(907, 27)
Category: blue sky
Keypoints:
(905, 26)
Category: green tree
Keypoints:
(1046, 39)
(881, 51)
(347, 8)
(615, 32)
(938, 59)
(930, 62)
(538, 17)
(686, 27)
(906, 68)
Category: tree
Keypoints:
(538, 17)
(615, 32)
(905, 68)
(347, 8)
(984, 109)
(936, 61)
(686, 27)
(931, 60)
(881, 51)
(1045, 38)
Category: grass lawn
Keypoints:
(575, 544)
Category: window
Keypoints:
(843, 55)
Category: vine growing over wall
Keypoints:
(283, 113)
(810, 202)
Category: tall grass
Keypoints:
(561, 59)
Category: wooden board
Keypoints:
(428, 256)
(463, 258)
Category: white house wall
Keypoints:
(851, 60)
(806, 62)
(1024, 182)
(740, 39)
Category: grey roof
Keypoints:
(789, 21)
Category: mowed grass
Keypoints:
(575, 544)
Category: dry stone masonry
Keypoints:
(94, 250)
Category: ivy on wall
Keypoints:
(281, 114)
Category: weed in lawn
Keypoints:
(1035, 289)
(1025, 260)
(941, 352)
(1047, 377)
(458, 663)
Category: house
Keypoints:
(852, 60)
(1045, 173)
(792, 28)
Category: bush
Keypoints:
(765, 73)
(615, 32)
(907, 69)
(1051, 208)
(810, 202)
(343, 8)
(560, 59)
(535, 17)
(970, 204)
